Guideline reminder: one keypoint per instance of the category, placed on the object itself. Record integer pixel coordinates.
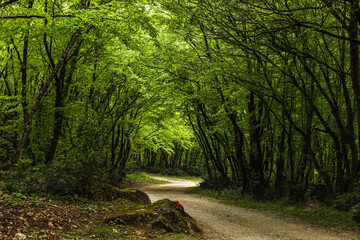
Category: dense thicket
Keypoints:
(263, 95)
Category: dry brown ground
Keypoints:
(68, 218)
(40, 218)
(46, 218)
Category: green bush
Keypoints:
(24, 178)
(346, 201)
(62, 180)
(318, 192)
(59, 178)
(194, 171)
(356, 210)
(182, 172)
(165, 171)
(219, 183)
(117, 176)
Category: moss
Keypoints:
(134, 195)
(163, 214)
(107, 192)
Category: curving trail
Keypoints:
(222, 221)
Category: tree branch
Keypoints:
(39, 16)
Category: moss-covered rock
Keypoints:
(134, 195)
(107, 192)
(162, 215)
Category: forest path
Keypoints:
(223, 221)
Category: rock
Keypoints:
(108, 192)
(134, 195)
(20, 236)
(162, 215)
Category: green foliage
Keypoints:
(180, 172)
(25, 178)
(331, 218)
(14, 198)
(257, 92)
(225, 194)
(160, 231)
(62, 180)
(218, 184)
(180, 236)
(346, 201)
(356, 210)
(102, 232)
(117, 221)
(191, 178)
(57, 179)
(258, 95)
(324, 216)
(143, 177)
(193, 171)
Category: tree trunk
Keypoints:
(280, 163)
(16, 155)
(256, 154)
(353, 31)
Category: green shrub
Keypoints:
(318, 192)
(117, 176)
(24, 178)
(165, 171)
(346, 201)
(62, 180)
(196, 172)
(219, 183)
(356, 210)
(58, 178)
(230, 194)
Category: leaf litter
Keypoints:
(42, 218)
(51, 217)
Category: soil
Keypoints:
(63, 218)
(224, 221)
(40, 218)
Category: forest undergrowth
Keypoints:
(47, 216)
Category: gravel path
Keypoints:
(222, 221)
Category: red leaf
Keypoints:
(177, 203)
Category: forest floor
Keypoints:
(51, 217)
(225, 221)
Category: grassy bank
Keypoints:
(314, 212)
(143, 178)
(190, 178)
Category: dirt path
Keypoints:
(222, 221)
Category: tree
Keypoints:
(278, 52)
